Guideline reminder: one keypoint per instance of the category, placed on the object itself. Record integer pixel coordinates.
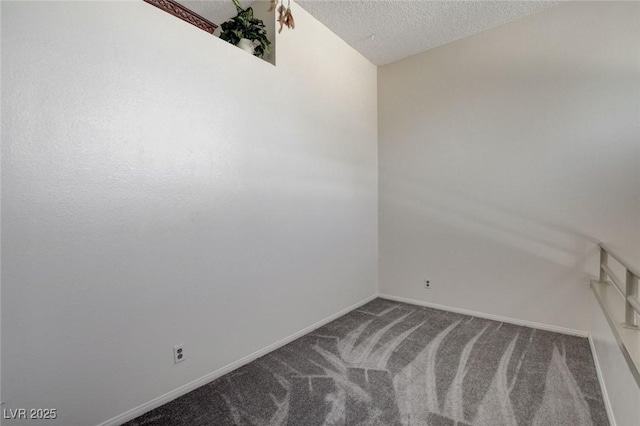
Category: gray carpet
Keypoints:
(390, 363)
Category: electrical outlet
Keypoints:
(427, 284)
(178, 353)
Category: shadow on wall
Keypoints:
(550, 242)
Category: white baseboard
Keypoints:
(531, 324)
(547, 327)
(603, 388)
(182, 390)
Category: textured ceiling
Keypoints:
(404, 28)
(401, 28)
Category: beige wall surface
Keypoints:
(504, 157)
(161, 186)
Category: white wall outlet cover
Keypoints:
(178, 353)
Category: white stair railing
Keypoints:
(627, 289)
(624, 324)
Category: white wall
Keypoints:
(161, 186)
(623, 391)
(504, 157)
(1, 105)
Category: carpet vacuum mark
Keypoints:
(390, 363)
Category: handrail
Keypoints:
(624, 262)
(630, 291)
(621, 332)
(617, 282)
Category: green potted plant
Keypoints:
(246, 32)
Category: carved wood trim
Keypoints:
(178, 10)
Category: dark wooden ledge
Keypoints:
(176, 9)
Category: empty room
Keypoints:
(312, 212)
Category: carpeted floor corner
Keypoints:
(389, 363)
